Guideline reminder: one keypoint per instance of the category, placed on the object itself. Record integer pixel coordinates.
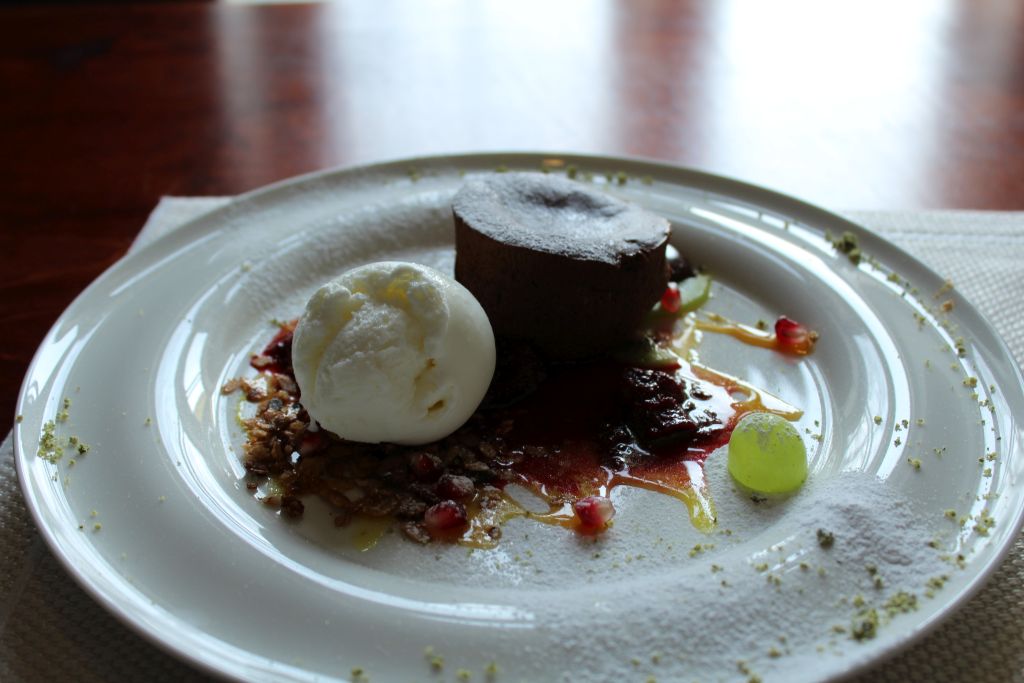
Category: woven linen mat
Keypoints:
(50, 630)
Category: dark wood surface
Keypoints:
(103, 109)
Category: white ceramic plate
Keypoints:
(189, 558)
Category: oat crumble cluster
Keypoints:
(426, 488)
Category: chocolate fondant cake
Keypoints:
(553, 262)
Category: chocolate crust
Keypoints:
(574, 288)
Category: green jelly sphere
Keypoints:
(766, 454)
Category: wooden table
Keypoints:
(106, 108)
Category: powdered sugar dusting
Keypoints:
(763, 593)
(558, 216)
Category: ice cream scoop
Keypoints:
(393, 352)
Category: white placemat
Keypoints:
(50, 630)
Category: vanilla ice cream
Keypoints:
(393, 352)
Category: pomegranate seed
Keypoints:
(455, 487)
(794, 337)
(670, 299)
(445, 517)
(594, 512)
(424, 466)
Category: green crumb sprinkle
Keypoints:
(898, 441)
(971, 382)
(700, 548)
(987, 472)
(825, 538)
(900, 603)
(878, 419)
(647, 180)
(18, 419)
(937, 582)
(501, 168)
(893, 277)
(983, 523)
(991, 456)
(865, 625)
(62, 416)
(761, 325)
(437, 662)
(635, 661)
(413, 173)
(82, 448)
(804, 566)
(715, 568)
(97, 526)
(570, 171)
(148, 421)
(774, 652)
(621, 177)
(491, 669)
(915, 463)
(464, 674)
(761, 566)
(162, 499)
(847, 244)
(49, 448)
(358, 675)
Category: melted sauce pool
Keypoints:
(562, 459)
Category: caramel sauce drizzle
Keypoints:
(679, 475)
